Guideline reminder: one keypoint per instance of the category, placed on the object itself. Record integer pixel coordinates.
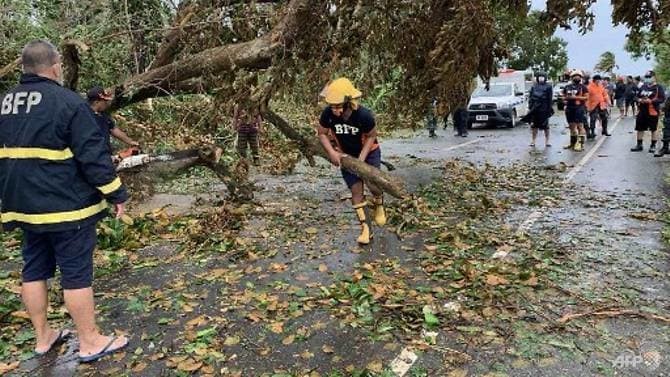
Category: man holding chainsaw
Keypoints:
(353, 128)
(100, 101)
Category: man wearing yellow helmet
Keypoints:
(353, 128)
(575, 96)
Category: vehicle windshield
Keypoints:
(494, 91)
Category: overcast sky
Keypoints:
(584, 50)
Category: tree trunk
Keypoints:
(235, 178)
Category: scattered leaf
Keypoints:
(189, 365)
(288, 340)
(232, 340)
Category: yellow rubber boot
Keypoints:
(379, 213)
(579, 146)
(365, 236)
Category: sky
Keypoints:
(584, 50)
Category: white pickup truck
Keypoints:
(502, 104)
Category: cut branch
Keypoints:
(613, 313)
(312, 146)
(235, 178)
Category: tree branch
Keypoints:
(9, 68)
(254, 54)
(312, 146)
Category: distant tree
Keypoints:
(656, 46)
(531, 47)
(607, 63)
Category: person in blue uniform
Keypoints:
(100, 101)
(56, 180)
(353, 129)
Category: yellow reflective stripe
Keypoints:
(110, 187)
(43, 153)
(54, 217)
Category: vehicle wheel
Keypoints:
(512, 123)
(560, 106)
(469, 125)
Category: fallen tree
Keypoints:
(312, 146)
(234, 177)
(297, 45)
(184, 75)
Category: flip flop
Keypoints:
(104, 352)
(63, 335)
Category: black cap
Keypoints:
(597, 77)
(98, 93)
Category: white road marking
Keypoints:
(403, 362)
(537, 214)
(461, 145)
(580, 165)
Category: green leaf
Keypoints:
(429, 318)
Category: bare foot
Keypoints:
(100, 343)
(47, 342)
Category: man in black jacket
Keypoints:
(540, 108)
(56, 177)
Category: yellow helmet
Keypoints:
(339, 91)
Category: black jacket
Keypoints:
(541, 97)
(55, 170)
(619, 90)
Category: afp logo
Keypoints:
(13, 102)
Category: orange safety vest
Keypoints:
(597, 97)
(650, 105)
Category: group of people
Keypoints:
(57, 178)
(588, 102)
(625, 94)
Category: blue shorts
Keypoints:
(575, 114)
(374, 158)
(70, 250)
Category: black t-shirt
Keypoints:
(575, 90)
(631, 91)
(350, 133)
(106, 124)
(655, 93)
(620, 90)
